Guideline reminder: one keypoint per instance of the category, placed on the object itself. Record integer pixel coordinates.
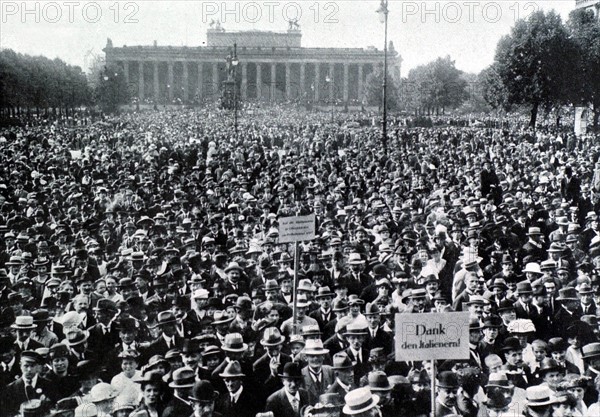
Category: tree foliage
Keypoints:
(435, 87)
(534, 65)
(111, 89)
(38, 82)
(584, 28)
(374, 89)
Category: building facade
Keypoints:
(593, 5)
(273, 66)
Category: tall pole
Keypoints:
(235, 103)
(385, 68)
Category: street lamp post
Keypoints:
(235, 62)
(383, 12)
(329, 79)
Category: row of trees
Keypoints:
(37, 83)
(544, 63)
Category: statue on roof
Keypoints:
(109, 43)
(293, 24)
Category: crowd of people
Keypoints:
(141, 273)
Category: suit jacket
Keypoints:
(335, 345)
(246, 406)
(261, 368)
(312, 388)
(99, 340)
(360, 368)
(321, 319)
(15, 394)
(382, 339)
(160, 347)
(279, 404)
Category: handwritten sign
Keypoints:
(296, 229)
(428, 336)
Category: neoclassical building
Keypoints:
(273, 66)
(593, 5)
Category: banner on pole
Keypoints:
(297, 228)
(429, 336)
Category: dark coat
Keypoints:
(246, 406)
(280, 406)
(15, 394)
(177, 408)
(312, 388)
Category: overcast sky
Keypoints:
(421, 30)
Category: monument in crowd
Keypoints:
(273, 66)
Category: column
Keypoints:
(302, 74)
(156, 90)
(185, 81)
(273, 80)
(258, 81)
(170, 80)
(288, 81)
(332, 82)
(200, 87)
(244, 80)
(126, 70)
(317, 81)
(141, 80)
(346, 76)
(360, 82)
(215, 79)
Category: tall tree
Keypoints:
(585, 32)
(374, 89)
(536, 63)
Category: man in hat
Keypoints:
(203, 399)
(160, 301)
(168, 337)
(24, 327)
(236, 283)
(183, 382)
(235, 350)
(534, 248)
(324, 314)
(289, 400)
(103, 333)
(376, 337)
(490, 344)
(343, 371)
(31, 385)
(517, 371)
(569, 311)
(356, 334)
(317, 376)
(269, 365)
(239, 399)
(42, 334)
(445, 400)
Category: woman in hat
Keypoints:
(153, 390)
(123, 382)
(564, 405)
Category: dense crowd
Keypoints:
(141, 273)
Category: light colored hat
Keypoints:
(533, 267)
(359, 401)
(86, 410)
(200, 293)
(102, 392)
(315, 347)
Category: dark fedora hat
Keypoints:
(511, 343)
(506, 305)
(549, 365)
(291, 370)
(492, 321)
(378, 381)
(448, 379)
(568, 293)
(203, 392)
